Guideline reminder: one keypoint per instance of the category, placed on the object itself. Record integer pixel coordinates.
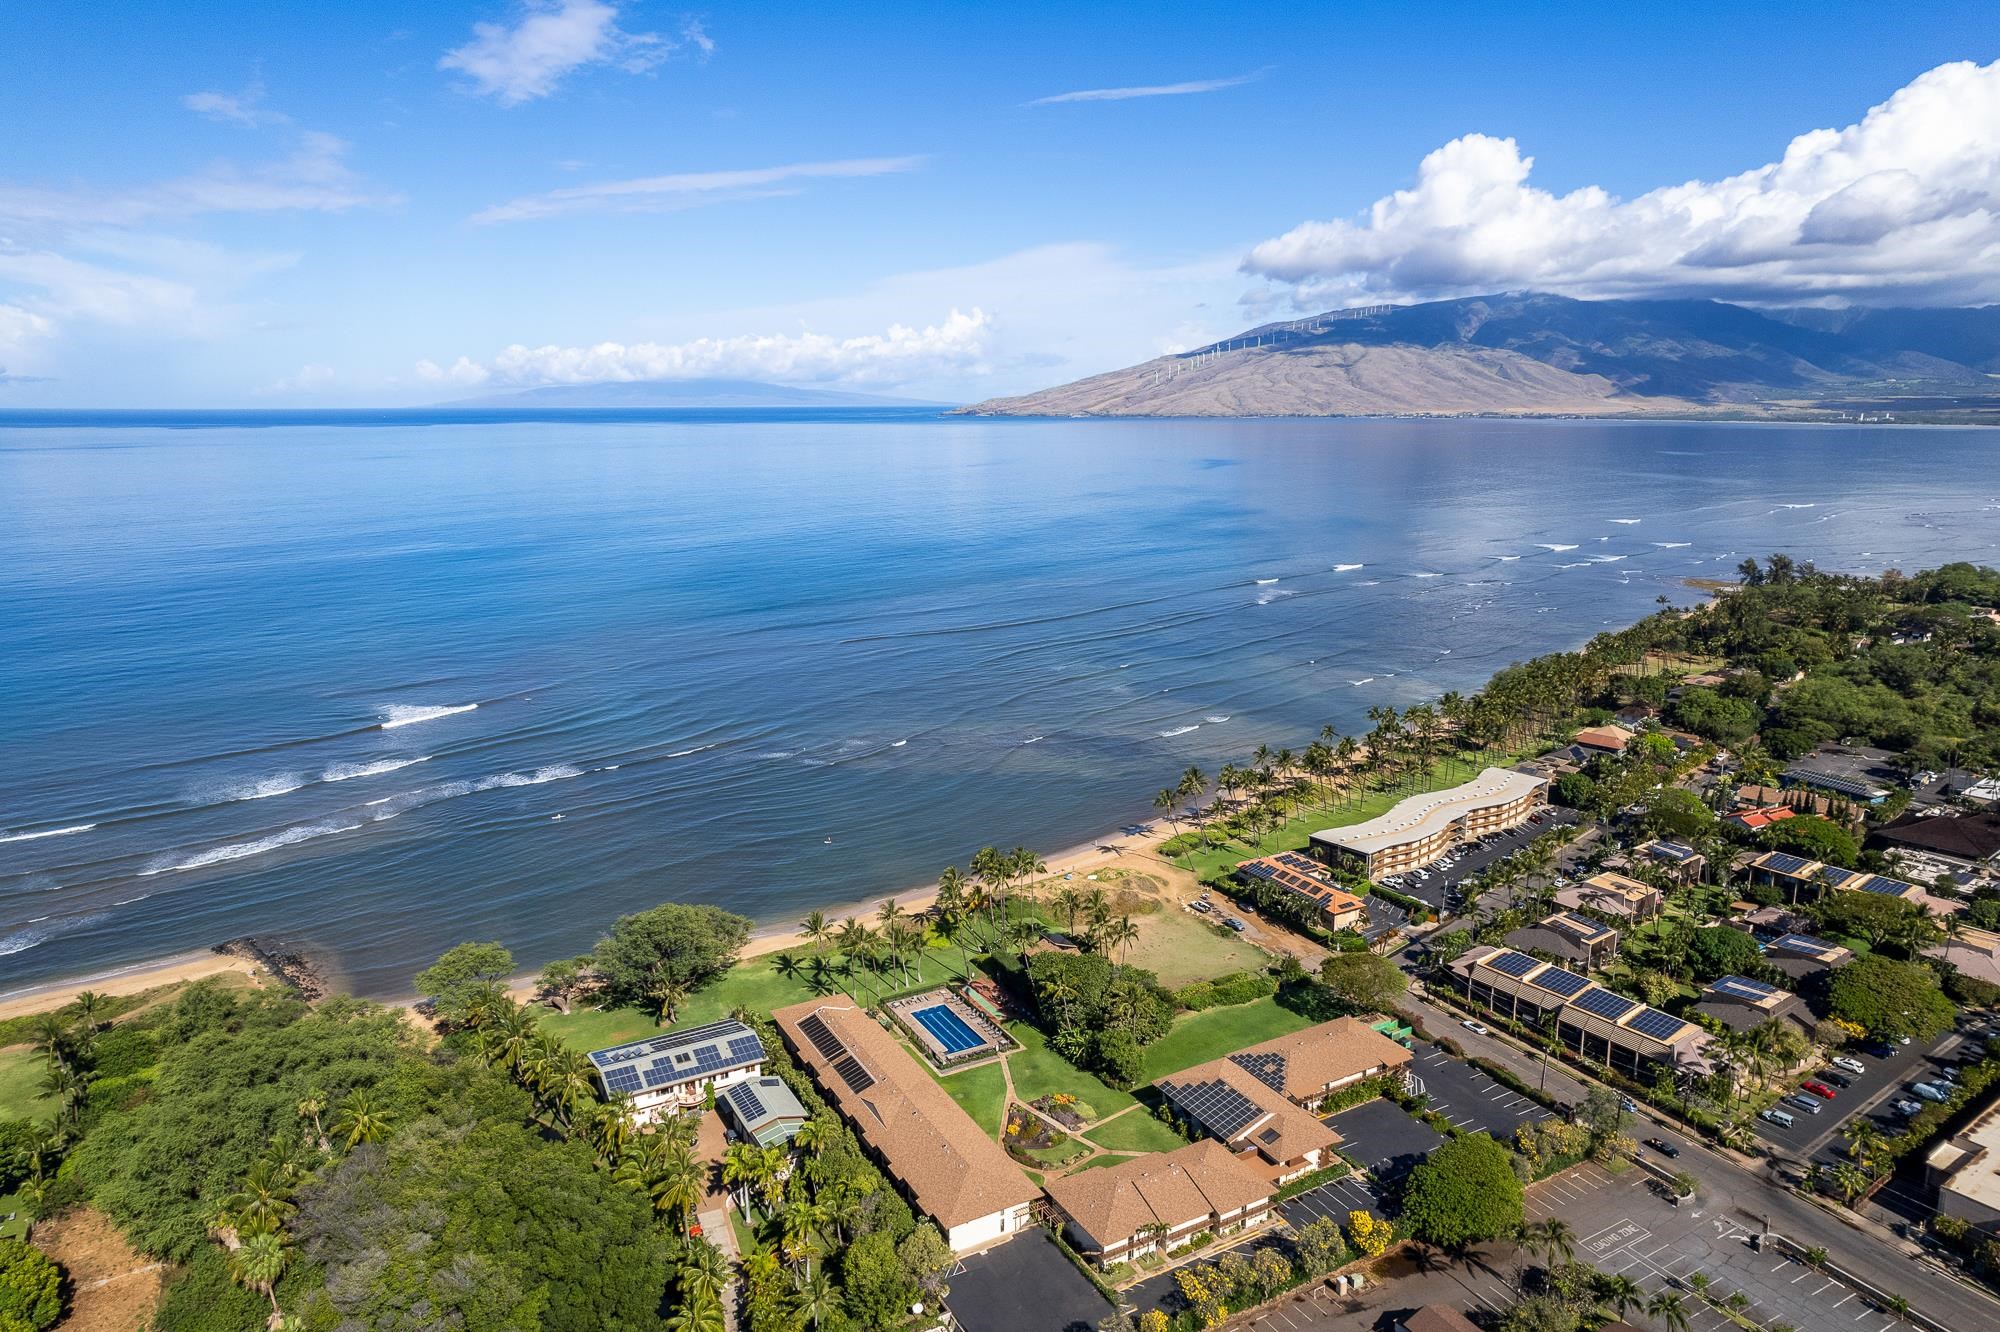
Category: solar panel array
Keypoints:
(1513, 964)
(850, 1071)
(749, 1105)
(1833, 781)
(1742, 987)
(1660, 1026)
(622, 1081)
(1783, 862)
(1836, 876)
(1801, 943)
(1257, 870)
(1562, 984)
(1268, 1069)
(1603, 1003)
(1892, 887)
(844, 1065)
(1303, 864)
(1673, 850)
(1216, 1105)
(1579, 929)
(677, 1056)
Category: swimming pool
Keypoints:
(949, 1029)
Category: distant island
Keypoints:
(1532, 354)
(686, 393)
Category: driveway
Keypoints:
(1026, 1282)
(1472, 860)
(1470, 1098)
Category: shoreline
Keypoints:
(133, 978)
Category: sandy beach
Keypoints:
(134, 979)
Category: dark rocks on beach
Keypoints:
(293, 969)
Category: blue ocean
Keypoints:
(378, 682)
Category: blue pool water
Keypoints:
(949, 1029)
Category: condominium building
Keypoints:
(1966, 1170)
(1612, 895)
(1153, 1203)
(1590, 1021)
(1420, 829)
(1308, 881)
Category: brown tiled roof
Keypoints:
(954, 1172)
(1614, 738)
(1329, 1053)
(1965, 836)
(1439, 1318)
(1282, 1132)
(1169, 1188)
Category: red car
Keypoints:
(1818, 1089)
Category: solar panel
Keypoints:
(1673, 850)
(1256, 871)
(1560, 983)
(749, 1105)
(823, 1040)
(746, 1048)
(1216, 1105)
(1513, 964)
(1603, 1003)
(1891, 887)
(1801, 943)
(1835, 875)
(1303, 864)
(1783, 862)
(1660, 1026)
(622, 1081)
(850, 1071)
(1268, 1069)
(1742, 987)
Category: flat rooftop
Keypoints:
(1421, 816)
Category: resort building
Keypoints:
(1677, 860)
(1604, 739)
(1801, 955)
(1612, 895)
(1575, 940)
(673, 1071)
(944, 1163)
(1966, 1170)
(1153, 1203)
(762, 1110)
(1590, 1021)
(1306, 879)
(1740, 1004)
(1423, 827)
(1808, 880)
(1260, 1099)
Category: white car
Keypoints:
(1476, 1028)
(1931, 1091)
(1849, 1063)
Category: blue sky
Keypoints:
(243, 205)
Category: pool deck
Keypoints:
(994, 1041)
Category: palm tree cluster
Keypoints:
(250, 1222)
(67, 1038)
(1104, 931)
(1563, 1292)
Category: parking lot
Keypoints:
(1472, 859)
(1026, 1282)
(1384, 1137)
(1873, 1093)
(1470, 1098)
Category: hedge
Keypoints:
(1238, 987)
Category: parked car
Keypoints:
(1778, 1117)
(1931, 1091)
(1234, 924)
(1851, 1064)
(1819, 1089)
(1663, 1147)
(1476, 1028)
(1907, 1107)
(1627, 1104)
(1879, 1049)
(1803, 1102)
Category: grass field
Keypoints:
(1200, 1037)
(1179, 947)
(21, 1087)
(982, 1093)
(1136, 1132)
(1039, 1071)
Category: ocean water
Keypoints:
(376, 683)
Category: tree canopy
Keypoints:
(671, 948)
(1891, 999)
(1464, 1192)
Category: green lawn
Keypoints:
(1136, 1132)
(21, 1087)
(1199, 1037)
(982, 1093)
(11, 1204)
(1039, 1071)
(1098, 1163)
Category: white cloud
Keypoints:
(305, 381)
(1903, 206)
(464, 370)
(899, 355)
(692, 189)
(553, 39)
(315, 177)
(239, 108)
(1149, 90)
(19, 327)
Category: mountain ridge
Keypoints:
(1532, 353)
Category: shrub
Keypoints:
(1238, 987)
(1370, 1234)
(30, 1285)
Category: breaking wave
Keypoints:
(218, 855)
(408, 714)
(342, 772)
(1217, 720)
(1672, 545)
(1173, 731)
(1555, 546)
(1626, 522)
(70, 831)
(1348, 568)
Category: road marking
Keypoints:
(1843, 1299)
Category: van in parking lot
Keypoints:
(1805, 1103)
(1778, 1117)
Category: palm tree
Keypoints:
(262, 1202)
(1622, 1293)
(89, 1006)
(704, 1271)
(667, 995)
(813, 1136)
(699, 1312)
(815, 928)
(311, 1106)
(739, 1167)
(817, 1299)
(1550, 1240)
(52, 1037)
(1121, 933)
(1670, 1310)
(359, 1120)
(258, 1262)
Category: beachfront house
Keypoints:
(674, 1070)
